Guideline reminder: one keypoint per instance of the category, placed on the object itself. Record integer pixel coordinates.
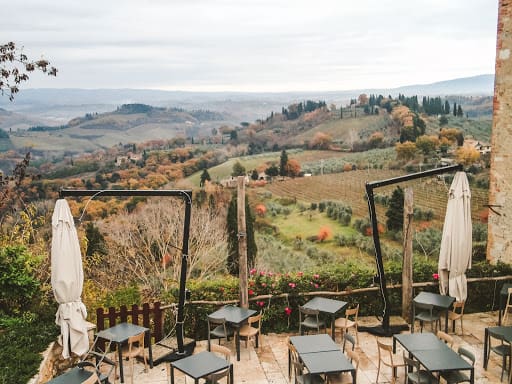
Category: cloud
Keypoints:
(269, 45)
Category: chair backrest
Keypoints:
(352, 312)
(93, 379)
(467, 354)
(297, 366)
(458, 307)
(445, 337)
(255, 319)
(347, 337)
(308, 311)
(495, 335)
(410, 363)
(136, 344)
(385, 353)
(225, 352)
(215, 322)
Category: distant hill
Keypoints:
(64, 104)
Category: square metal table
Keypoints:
(432, 353)
(418, 341)
(328, 306)
(74, 376)
(201, 365)
(328, 362)
(507, 335)
(443, 360)
(314, 343)
(235, 317)
(441, 302)
(120, 334)
(311, 344)
(503, 299)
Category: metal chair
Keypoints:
(415, 375)
(386, 358)
(311, 320)
(457, 313)
(347, 337)
(426, 313)
(218, 329)
(500, 347)
(455, 377)
(345, 378)
(349, 321)
(508, 307)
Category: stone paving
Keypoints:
(269, 363)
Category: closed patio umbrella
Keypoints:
(67, 282)
(456, 242)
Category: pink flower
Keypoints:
(316, 276)
(316, 285)
(260, 303)
(292, 285)
(262, 273)
(300, 274)
(251, 292)
(263, 285)
(270, 274)
(288, 311)
(252, 271)
(435, 276)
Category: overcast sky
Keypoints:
(253, 45)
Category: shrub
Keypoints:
(19, 288)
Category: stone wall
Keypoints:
(499, 246)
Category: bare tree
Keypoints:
(146, 244)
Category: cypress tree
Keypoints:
(395, 212)
(232, 227)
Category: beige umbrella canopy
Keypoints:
(67, 282)
(456, 243)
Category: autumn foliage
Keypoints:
(261, 210)
(324, 233)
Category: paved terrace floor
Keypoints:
(269, 363)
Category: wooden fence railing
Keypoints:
(146, 316)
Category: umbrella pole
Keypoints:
(385, 329)
(183, 276)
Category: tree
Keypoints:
(232, 229)
(204, 177)
(238, 170)
(282, 163)
(254, 175)
(467, 156)
(405, 151)
(272, 171)
(293, 168)
(321, 141)
(459, 111)
(395, 212)
(427, 144)
(15, 67)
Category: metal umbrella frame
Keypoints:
(384, 329)
(186, 195)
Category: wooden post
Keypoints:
(407, 259)
(242, 243)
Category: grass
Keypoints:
(308, 223)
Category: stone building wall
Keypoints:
(499, 245)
